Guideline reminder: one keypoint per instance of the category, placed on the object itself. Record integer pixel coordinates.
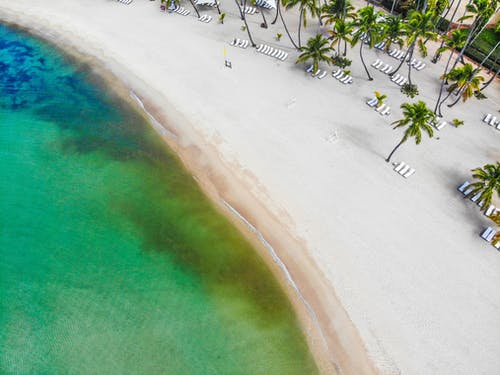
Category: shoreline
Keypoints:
(225, 190)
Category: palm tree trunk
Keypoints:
(409, 65)
(363, 61)
(264, 18)
(277, 11)
(300, 24)
(394, 150)
(345, 48)
(394, 2)
(286, 28)
(217, 6)
(194, 7)
(245, 21)
(490, 80)
(437, 56)
(440, 104)
(442, 81)
(457, 99)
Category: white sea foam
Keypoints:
(156, 124)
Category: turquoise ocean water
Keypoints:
(111, 259)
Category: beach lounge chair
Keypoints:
(405, 169)
(337, 73)
(375, 62)
(279, 55)
(284, 56)
(347, 81)
(275, 53)
(270, 51)
(317, 72)
(235, 41)
(462, 187)
(310, 69)
(393, 52)
(441, 125)
(487, 118)
(486, 233)
(402, 81)
(372, 102)
(395, 77)
(468, 191)
(322, 75)
(389, 70)
(342, 75)
(386, 111)
(399, 166)
(400, 55)
(260, 47)
(422, 66)
(491, 235)
(385, 67)
(409, 173)
(380, 108)
(493, 121)
(475, 197)
(490, 210)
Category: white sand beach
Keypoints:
(396, 276)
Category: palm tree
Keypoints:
(454, 41)
(317, 50)
(394, 30)
(341, 31)
(368, 29)
(420, 26)
(466, 83)
(380, 98)
(337, 10)
(304, 6)
(243, 17)
(487, 183)
(280, 14)
(418, 117)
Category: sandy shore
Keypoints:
(393, 270)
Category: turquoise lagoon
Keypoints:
(111, 259)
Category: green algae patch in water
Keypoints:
(111, 259)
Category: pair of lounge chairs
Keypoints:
(491, 120)
(273, 52)
(206, 18)
(126, 2)
(342, 77)
(404, 169)
(397, 54)
(249, 10)
(263, 4)
(209, 4)
(318, 73)
(387, 69)
(488, 235)
(440, 124)
(380, 45)
(417, 64)
(399, 79)
(242, 43)
(466, 189)
(382, 109)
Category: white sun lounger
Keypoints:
(462, 187)
(375, 62)
(389, 70)
(422, 66)
(441, 125)
(270, 51)
(283, 58)
(260, 47)
(493, 121)
(280, 54)
(322, 75)
(317, 72)
(468, 191)
(244, 44)
(235, 41)
(372, 102)
(395, 77)
(486, 233)
(490, 210)
(475, 197)
(404, 170)
(409, 173)
(491, 235)
(487, 118)
(347, 81)
(402, 81)
(341, 76)
(399, 166)
(337, 73)
(385, 67)
(310, 69)
(275, 53)
(380, 108)
(386, 111)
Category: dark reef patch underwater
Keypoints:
(111, 259)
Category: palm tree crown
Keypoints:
(317, 49)
(466, 80)
(417, 117)
(487, 183)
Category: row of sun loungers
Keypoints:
(417, 64)
(383, 109)
(206, 18)
(126, 2)
(180, 10)
(342, 77)
(249, 10)
(440, 125)
(242, 43)
(399, 79)
(404, 169)
(491, 120)
(263, 4)
(384, 68)
(397, 54)
(489, 232)
(318, 73)
(210, 4)
(273, 52)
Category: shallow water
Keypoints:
(111, 259)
